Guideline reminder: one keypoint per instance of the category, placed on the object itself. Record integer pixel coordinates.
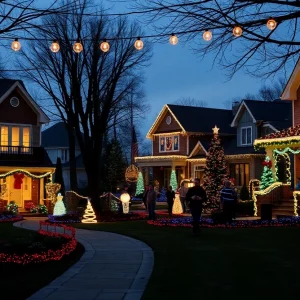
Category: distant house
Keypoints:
(181, 137)
(25, 167)
(56, 143)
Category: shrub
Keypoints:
(245, 207)
(42, 209)
(13, 208)
(244, 193)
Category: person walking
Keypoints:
(196, 196)
(151, 202)
(228, 201)
(182, 193)
(170, 194)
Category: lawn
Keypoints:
(18, 281)
(259, 263)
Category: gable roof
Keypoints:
(291, 87)
(277, 113)
(199, 146)
(196, 119)
(6, 88)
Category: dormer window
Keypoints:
(169, 143)
(246, 136)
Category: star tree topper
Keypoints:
(216, 130)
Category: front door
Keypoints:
(16, 195)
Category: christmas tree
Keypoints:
(177, 207)
(140, 185)
(215, 172)
(267, 175)
(59, 207)
(89, 214)
(173, 181)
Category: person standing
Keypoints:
(182, 192)
(228, 201)
(151, 202)
(196, 196)
(170, 199)
(145, 196)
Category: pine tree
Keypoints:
(173, 181)
(58, 176)
(267, 175)
(140, 185)
(89, 214)
(215, 172)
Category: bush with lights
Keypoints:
(267, 175)
(13, 208)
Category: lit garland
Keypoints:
(264, 192)
(252, 184)
(286, 150)
(26, 173)
(82, 197)
(284, 153)
(162, 157)
(295, 194)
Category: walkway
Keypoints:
(113, 267)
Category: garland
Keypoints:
(25, 173)
(288, 149)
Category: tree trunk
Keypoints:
(72, 158)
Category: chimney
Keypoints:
(235, 107)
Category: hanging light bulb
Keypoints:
(237, 31)
(77, 46)
(55, 46)
(271, 24)
(207, 35)
(15, 45)
(104, 46)
(138, 44)
(173, 39)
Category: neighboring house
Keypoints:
(181, 137)
(56, 142)
(25, 167)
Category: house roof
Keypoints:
(290, 90)
(79, 163)
(277, 113)
(56, 136)
(8, 85)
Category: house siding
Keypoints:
(36, 136)
(245, 121)
(164, 127)
(296, 104)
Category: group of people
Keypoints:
(194, 198)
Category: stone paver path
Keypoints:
(113, 267)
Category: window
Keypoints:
(246, 135)
(26, 137)
(199, 173)
(4, 138)
(169, 143)
(240, 172)
(15, 136)
(64, 155)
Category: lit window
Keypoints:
(4, 138)
(169, 143)
(15, 136)
(26, 137)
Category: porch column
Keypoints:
(147, 175)
(269, 152)
(41, 191)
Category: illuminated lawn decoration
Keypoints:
(177, 207)
(125, 198)
(89, 214)
(59, 207)
(295, 194)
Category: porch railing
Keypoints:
(21, 153)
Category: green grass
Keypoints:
(18, 281)
(261, 263)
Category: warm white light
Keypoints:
(104, 46)
(89, 214)
(77, 47)
(207, 35)
(15, 45)
(173, 39)
(237, 31)
(138, 44)
(271, 24)
(55, 46)
(190, 184)
(125, 197)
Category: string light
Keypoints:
(139, 45)
(104, 46)
(207, 35)
(173, 39)
(77, 46)
(237, 31)
(25, 173)
(271, 24)
(295, 194)
(16, 45)
(55, 46)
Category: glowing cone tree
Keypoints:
(89, 214)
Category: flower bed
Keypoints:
(10, 218)
(208, 223)
(68, 218)
(36, 252)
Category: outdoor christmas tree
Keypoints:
(215, 172)
(267, 175)
(59, 207)
(177, 207)
(89, 214)
(173, 181)
(140, 185)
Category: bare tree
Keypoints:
(259, 50)
(189, 101)
(90, 88)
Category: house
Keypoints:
(181, 136)
(56, 142)
(25, 167)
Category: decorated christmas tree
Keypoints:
(177, 207)
(267, 175)
(59, 207)
(140, 185)
(173, 180)
(215, 172)
(89, 214)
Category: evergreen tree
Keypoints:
(173, 181)
(58, 176)
(267, 175)
(215, 172)
(244, 193)
(140, 185)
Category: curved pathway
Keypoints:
(113, 267)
